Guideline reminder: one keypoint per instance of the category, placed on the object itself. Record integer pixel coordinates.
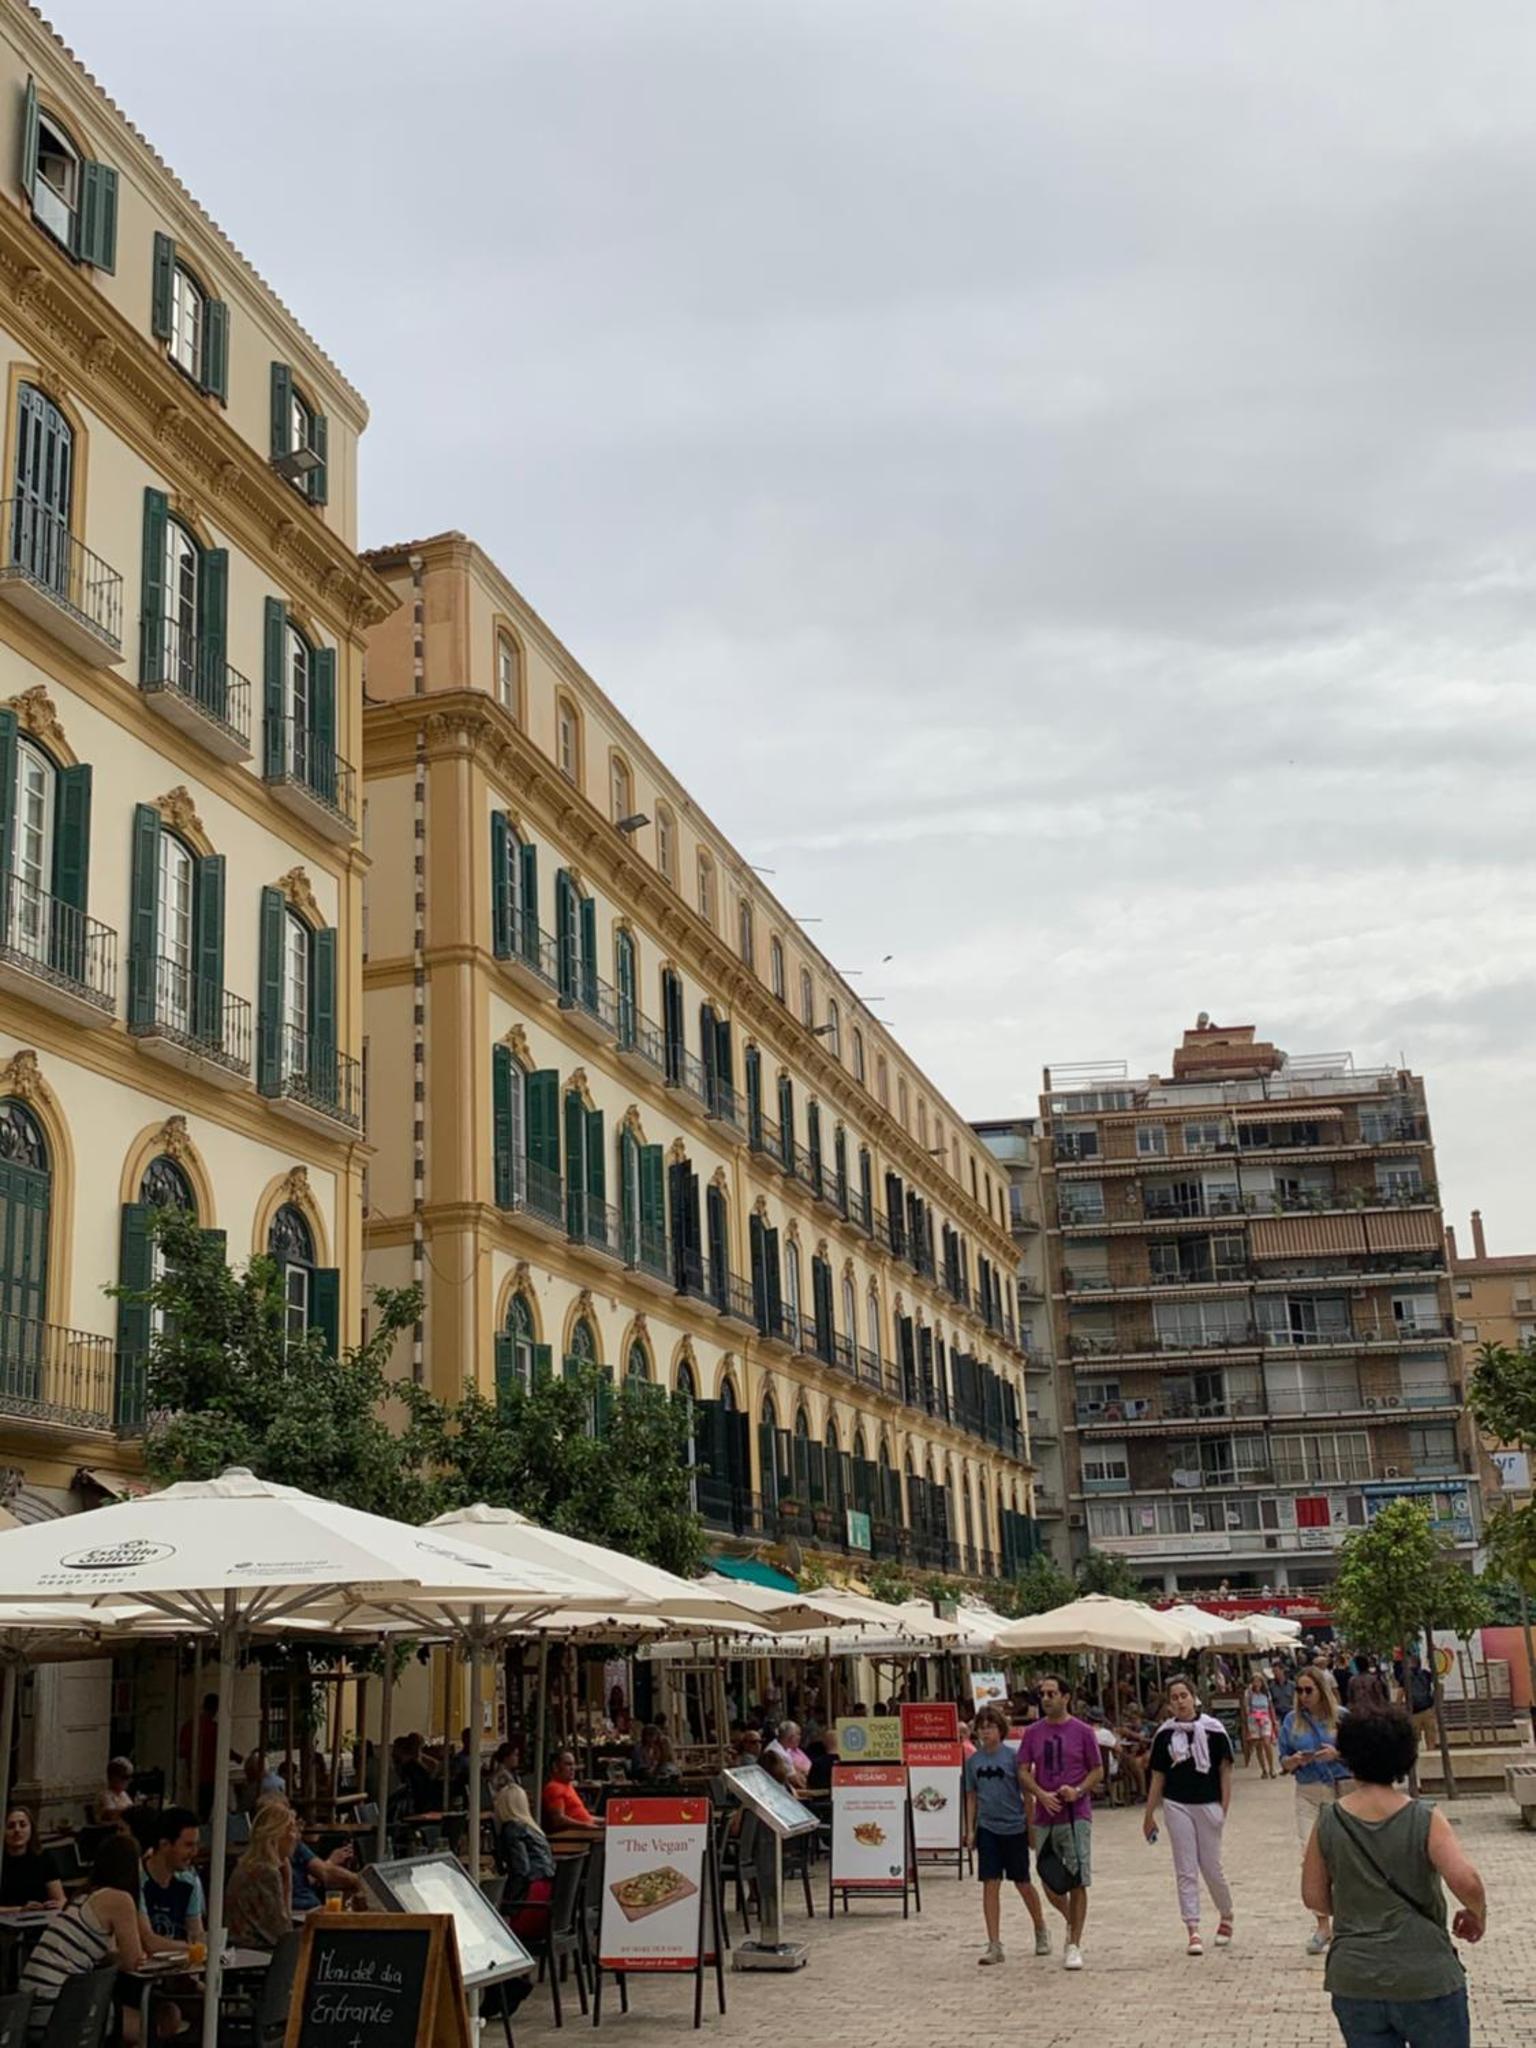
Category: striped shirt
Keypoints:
(72, 1944)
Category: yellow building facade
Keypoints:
(633, 1118)
(181, 620)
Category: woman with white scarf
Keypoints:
(1191, 1782)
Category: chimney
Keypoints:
(1450, 1241)
(1479, 1249)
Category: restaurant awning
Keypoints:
(1306, 1237)
(1298, 1112)
(752, 1572)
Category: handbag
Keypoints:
(1052, 1869)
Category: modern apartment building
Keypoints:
(1495, 1301)
(635, 1120)
(1249, 1268)
(1014, 1144)
(181, 611)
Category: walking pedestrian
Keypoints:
(1192, 1784)
(1259, 1723)
(1375, 1866)
(1060, 1765)
(1310, 1756)
(997, 1828)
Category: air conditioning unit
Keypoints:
(1271, 1542)
(1391, 1472)
(1077, 1519)
(1370, 1401)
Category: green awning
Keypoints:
(752, 1573)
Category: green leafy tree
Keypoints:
(1102, 1572)
(609, 1465)
(1398, 1577)
(1502, 1397)
(224, 1383)
(1040, 1586)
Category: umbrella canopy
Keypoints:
(1097, 1622)
(791, 1611)
(1207, 1631)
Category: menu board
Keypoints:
(386, 1978)
(774, 1804)
(862, 1740)
(933, 1775)
(439, 1883)
(988, 1689)
(653, 1884)
(869, 1827)
(936, 1723)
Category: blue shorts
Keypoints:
(1000, 1856)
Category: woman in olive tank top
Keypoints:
(1376, 1862)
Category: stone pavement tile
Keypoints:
(874, 1979)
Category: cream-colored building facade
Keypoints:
(181, 619)
(633, 1117)
(1495, 1296)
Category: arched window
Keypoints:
(792, 1290)
(834, 1029)
(776, 966)
(34, 817)
(728, 1399)
(174, 969)
(858, 1054)
(54, 179)
(706, 887)
(637, 1363)
(627, 984)
(514, 1352)
(175, 660)
(687, 1390)
(509, 674)
(872, 1320)
(298, 996)
(882, 1082)
(850, 1309)
(807, 997)
(26, 1192)
(189, 304)
(744, 933)
(666, 845)
(45, 464)
(954, 1155)
(922, 1120)
(291, 1242)
(621, 787)
(567, 739)
(903, 1106)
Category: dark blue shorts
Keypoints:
(999, 1856)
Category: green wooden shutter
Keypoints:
(597, 1163)
(322, 721)
(215, 366)
(96, 221)
(135, 1268)
(282, 410)
(575, 1164)
(319, 479)
(541, 1095)
(754, 1096)
(208, 952)
(143, 916)
(566, 934)
(323, 1065)
(629, 1174)
(624, 976)
(274, 636)
(653, 1202)
(506, 1368)
(212, 629)
(29, 127)
(269, 1051)
(543, 1365)
(501, 886)
(501, 1124)
(775, 1283)
(154, 656)
(8, 732)
(709, 1047)
(759, 1271)
(528, 937)
(325, 1306)
(162, 277)
(588, 909)
(72, 863)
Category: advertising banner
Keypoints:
(933, 1778)
(988, 1689)
(869, 1827)
(868, 1741)
(936, 1723)
(653, 1884)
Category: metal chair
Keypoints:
(277, 1990)
(564, 1937)
(82, 2012)
(15, 2011)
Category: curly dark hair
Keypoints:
(1379, 1746)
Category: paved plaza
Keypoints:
(873, 1982)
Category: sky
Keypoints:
(1054, 480)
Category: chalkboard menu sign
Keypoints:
(388, 1979)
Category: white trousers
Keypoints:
(1194, 1835)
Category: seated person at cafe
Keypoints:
(749, 1746)
(258, 1781)
(114, 1799)
(416, 1789)
(27, 1877)
(505, 1759)
(170, 1889)
(258, 1905)
(102, 1927)
(314, 1875)
(522, 1847)
(787, 1745)
(821, 1753)
(565, 1811)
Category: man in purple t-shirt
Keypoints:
(1060, 1763)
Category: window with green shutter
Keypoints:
(787, 1121)
(653, 1209)
(73, 199)
(754, 1098)
(627, 982)
(541, 1095)
(192, 323)
(672, 1024)
(176, 939)
(299, 437)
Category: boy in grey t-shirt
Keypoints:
(997, 1827)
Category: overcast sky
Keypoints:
(1055, 480)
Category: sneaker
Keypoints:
(1042, 1941)
(1317, 1944)
(1224, 1934)
(992, 1953)
(1071, 1957)
(1196, 1945)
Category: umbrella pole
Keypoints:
(173, 1769)
(476, 1650)
(541, 1724)
(386, 1718)
(229, 1645)
(447, 1791)
(7, 1728)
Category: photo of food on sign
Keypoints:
(870, 1833)
(650, 1891)
(929, 1800)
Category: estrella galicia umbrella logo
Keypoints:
(117, 1557)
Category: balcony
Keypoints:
(686, 1073)
(1178, 1409)
(310, 779)
(309, 1079)
(764, 1136)
(203, 697)
(857, 1211)
(55, 955)
(646, 1255)
(731, 1295)
(57, 1377)
(1042, 1428)
(591, 1003)
(188, 1022)
(592, 1224)
(538, 1197)
(60, 585)
(641, 1043)
(530, 958)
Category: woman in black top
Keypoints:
(1191, 1780)
(26, 1875)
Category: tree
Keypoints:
(226, 1383)
(1397, 1577)
(1102, 1572)
(1502, 1398)
(1039, 1586)
(574, 1453)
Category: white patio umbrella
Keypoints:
(235, 1554)
(1208, 1631)
(1097, 1622)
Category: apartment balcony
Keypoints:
(590, 1004)
(1049, 1507)
(1170, 1411)
(857, 1211)
(189, 1022)
(876, 1373)
(537, 1197)
(58, 1378)
(53, 954)
(310, 779)
(56, 582)
(765, 1138)
(308, 1079)
(700, 1090)
(1043, 1429)
(530, 958)
(592, 1224)
(641, 1043)
(202, 697)
(731, 1295)
(648, 1257)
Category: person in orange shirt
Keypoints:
(565, 1811)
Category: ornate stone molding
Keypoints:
(677, 1152)
(578, 1084)
(630, 1121)
(37, 714)
(517, 1040)
(21, 1076)
(179, 813)
(296, 1188)
(174, 1141)
(295, 885)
